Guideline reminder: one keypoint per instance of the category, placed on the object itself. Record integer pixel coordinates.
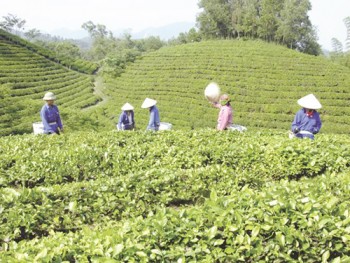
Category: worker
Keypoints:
(50, 115)
(225, 114)
(154, 120)
(126, 118)
(307, 120)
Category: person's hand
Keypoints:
(296, 130)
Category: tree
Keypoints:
(103, 40)
(12, 24)
(215, 20)
(295, 29)
(250, 19)
(96, 31)
(32, 34)
(347, 41)
(282, 21)
(337, 46)
(189, 37)
(269, 18)
(152, 43)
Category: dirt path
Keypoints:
(98, 91)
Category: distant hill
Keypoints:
(166, 32)
(264, 81)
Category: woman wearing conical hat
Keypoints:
(50, 116)
(154, 120)
(126, 118)
(307, 120)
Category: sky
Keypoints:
(135, 15)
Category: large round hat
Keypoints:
(148, 103)
(310, 102)
(212, 92)
(49, 96)
(127, 106)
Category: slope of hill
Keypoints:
(26, 74)
(264, 81)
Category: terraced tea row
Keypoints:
(26, 73)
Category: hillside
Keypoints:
(264, 81)
(26, 73)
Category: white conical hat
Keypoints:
(212, 92)
(310, 102)
(148, 103)
(49, 96)
(127, 106)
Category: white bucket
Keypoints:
(38, 128)
(236, 127)
(165, 126)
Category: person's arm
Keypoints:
(133, 119)
(44, 120)
(215, 104)
(151, 125)
(318, 124)
(120, 121)
(296, 123)
(59, 121)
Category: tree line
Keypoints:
(285, 22)
(282, 21)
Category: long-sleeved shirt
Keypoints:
(51, 119)
(126, 122)
(225, 116)
(303, 122)
(154, 120)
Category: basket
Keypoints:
(38, 128)
(236, 127)
(165, 126)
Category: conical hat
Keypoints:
(127, 106)
(148, 103)
(212, 92)
(49, 96)
(310, 102)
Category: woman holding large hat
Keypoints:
(307, 120)
(126, 118)
(50, 116)
(154, 120)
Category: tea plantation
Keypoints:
(187, 195)
(180, 196)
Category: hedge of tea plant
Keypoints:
(174, 196)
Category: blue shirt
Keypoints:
(126, 122)
(303, 122)
(154, 120)
(50, 118)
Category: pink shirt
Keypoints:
(225, 116)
